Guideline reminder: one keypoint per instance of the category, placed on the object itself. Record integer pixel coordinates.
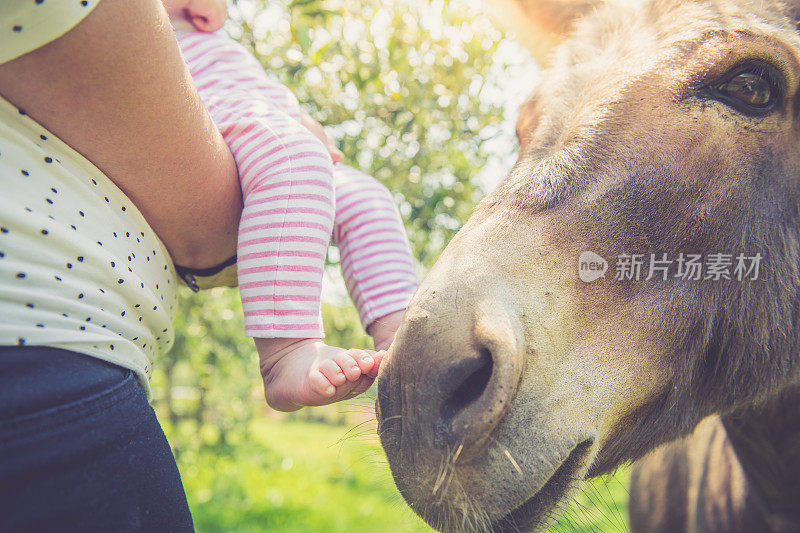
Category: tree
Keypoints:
(400, 85)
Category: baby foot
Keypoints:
(307, 372)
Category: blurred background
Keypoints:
(423, 95)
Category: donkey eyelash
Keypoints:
(760, 68)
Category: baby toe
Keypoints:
(348, 365)
(320, 384)
(332, 372)
(364, 359)
(377, 358)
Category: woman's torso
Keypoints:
(80, 268)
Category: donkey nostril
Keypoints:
(472, 377)
(472, 386)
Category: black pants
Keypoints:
(81, 449)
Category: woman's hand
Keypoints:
(116, 89)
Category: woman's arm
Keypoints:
(116, 89)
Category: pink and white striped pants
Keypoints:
(295, 201)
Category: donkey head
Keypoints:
(635, 272)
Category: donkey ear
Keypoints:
(541, 24)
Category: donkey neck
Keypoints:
(766, 439)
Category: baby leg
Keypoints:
(376, 259)
(287, 184)
(283, 237)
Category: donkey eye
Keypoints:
(749, 88)
(752, 88)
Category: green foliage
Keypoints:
(203, 388)
(400, 85)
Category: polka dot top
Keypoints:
(80, 268)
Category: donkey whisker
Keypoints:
(513, 462)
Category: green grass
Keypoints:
(600, 506)
(294, 476)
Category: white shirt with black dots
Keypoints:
(80, 268)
